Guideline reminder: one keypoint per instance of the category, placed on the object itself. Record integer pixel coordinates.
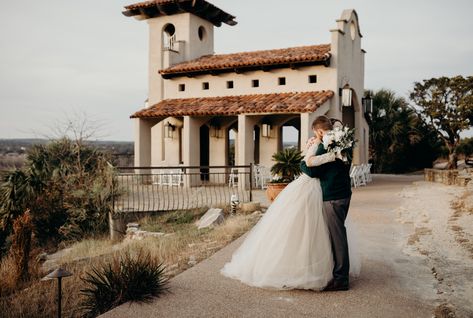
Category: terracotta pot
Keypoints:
(273, 190)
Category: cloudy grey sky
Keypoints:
(64, 57)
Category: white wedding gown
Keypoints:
(289, 247)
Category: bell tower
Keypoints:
(179, 30)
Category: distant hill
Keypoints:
(21, 145)
(13, 151)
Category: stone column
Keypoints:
(306, 128)
(191, 141)
(191, 146)
(218, 156)
(142, 142)
(246, 148)
(245, 140)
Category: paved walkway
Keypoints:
(385, 288)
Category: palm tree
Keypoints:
(14, 195)
(287, 164)
(397, 135)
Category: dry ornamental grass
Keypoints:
(174, 251)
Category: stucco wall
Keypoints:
(348, 62)
(188, 43)
(296, 81)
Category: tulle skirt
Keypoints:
(289, 247)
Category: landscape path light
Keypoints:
(59, 274)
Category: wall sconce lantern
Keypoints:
(266, 130)
(347, 96)
(169, 130)
(367, 102)
(215, 131)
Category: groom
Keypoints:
(336, 189)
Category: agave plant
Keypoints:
(287, 164)
(128, 277)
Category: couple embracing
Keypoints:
(301, 242)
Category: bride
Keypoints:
(289, 247)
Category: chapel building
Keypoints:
(198, 101)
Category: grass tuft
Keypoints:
(128, 277)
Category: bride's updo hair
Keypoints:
(336, 122)
(322, 122)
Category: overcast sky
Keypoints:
(64, 57)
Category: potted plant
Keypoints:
(285, 170)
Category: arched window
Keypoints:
(202, 33)
(169, 36)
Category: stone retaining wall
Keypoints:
(449, 177)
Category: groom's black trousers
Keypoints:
(335, 213)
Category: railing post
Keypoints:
(251, 182)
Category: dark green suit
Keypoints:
(334, 177)
(336, 188)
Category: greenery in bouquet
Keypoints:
(341, 140)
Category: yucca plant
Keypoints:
(287, 164)
(128, 277)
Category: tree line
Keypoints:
(410, 134)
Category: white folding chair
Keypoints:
(366, 172)
(157, 178)
(177, 177)
(165, 177)
(353, 176)
(368, 169)
(265, 176)
(257, 175)
(233, 178)
(361, 175)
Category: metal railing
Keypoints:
(170, 42)
(152, 189)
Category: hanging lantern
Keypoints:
(169, 130)
(266, 130)
(346, 96)
(215, 131)
(367, 103)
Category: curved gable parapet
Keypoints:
(349, 15)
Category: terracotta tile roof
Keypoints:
(146, 4)
(312, 53)
(299, 102)
(201, 8)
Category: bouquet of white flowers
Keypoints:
(340, 140)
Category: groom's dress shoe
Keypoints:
(334, 285)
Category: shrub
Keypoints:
(21, 246)
(67, 185)
(127, 278)
(466, 147)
